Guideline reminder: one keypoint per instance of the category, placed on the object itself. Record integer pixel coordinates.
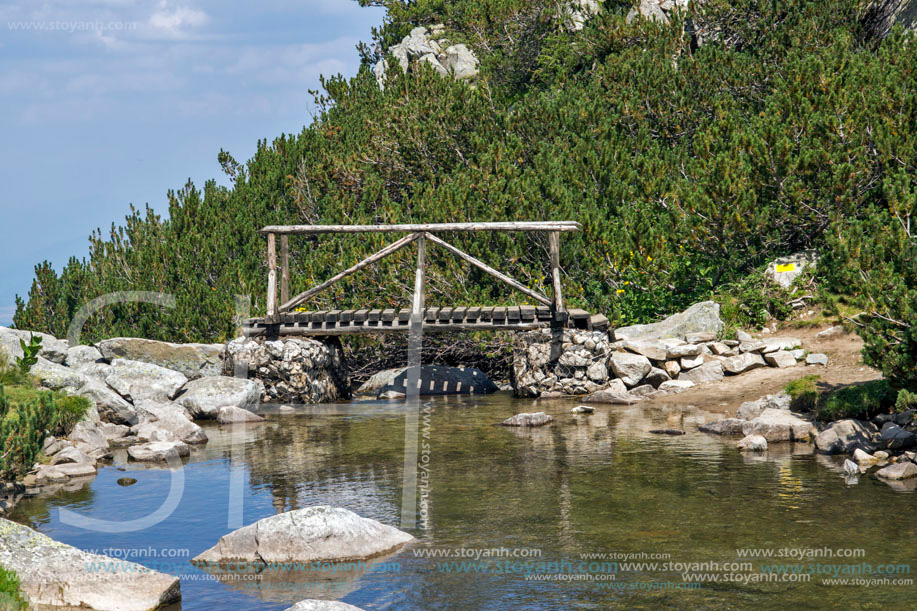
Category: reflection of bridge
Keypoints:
(284, 318)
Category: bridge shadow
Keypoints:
(439, 380)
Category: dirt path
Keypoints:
(845, 366)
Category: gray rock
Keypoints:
(901, 470)
(642, 391)
(742, 363)
(700, 317)
(58, 575)
(817, 359)
(779, 425)
(798, 354)
(80, 355)
(700, 337)
(582, 409)
(597, 372)
(76, 469)
(136, 380)
(844, 436)
(773, 344)
(108, 403)
(151, 432)
(233, 415)
(629, 368)
(690, 362)
(191, 360)
(528, 419)
(780, 359)
(656, 376)
(708, 372)
(322, 605)
(676, 386)
(729, 426)
(154, 410)
(71, 455)
(155, 451)
(834, 331)
(578, 12)
(611, 396)
(742, 336)
(672, 368)
(893, 437)
(391, 395)
(755, 345)
(850, 467)
(461, 62)
(864, 458)
(682, 350)
(52, 349)
(89, 434)
(752, 443)
(204, 397)
(305, 535)
(786, 269)
(650, 349)
(720, 349)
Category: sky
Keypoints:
(104, 103)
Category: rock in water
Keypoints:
(322, 605)
(159, 451)
(205, 396)
(528, 419)
(844, 436)
(306, 535)
(191, 360)
(850, 467)
(582, 409)
(232, 415)
(901, 470)
(674, 432)
(752, 443)
(59, 575)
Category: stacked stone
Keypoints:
(429, 46)
(292, 370)
(571, 362)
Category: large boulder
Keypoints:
(109, 404)
(743, 362)
(191, 360)
(779, 425)
(629, 368)
(701, 317)
(58, 575)
(136, 380)
(845, 436)
(901, 470)
(305, 535)
(881, 15)
(893, 437)
(81, 355)
(205, 396)
(156, 451)
(434, 380)
(52, 349)
(706, 373)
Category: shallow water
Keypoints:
(594, 483)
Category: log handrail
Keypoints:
(419, 233)
(564, 226)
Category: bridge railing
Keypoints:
(418, 234)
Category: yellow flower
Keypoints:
(649, 258)
(620, 291)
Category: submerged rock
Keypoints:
(159, 451)
(752, 443)
(304, 535)
(582, 409)
(233, 415)
(54, 574)
(528, 419)
(322, 605)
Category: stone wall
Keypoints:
(562, 362)
(293, 370)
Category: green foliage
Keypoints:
(804, 393)
(29, 353)
(689, 170)
(10, 374)
(27, 416)
(862, 401)
(906, 400)
(10, 596)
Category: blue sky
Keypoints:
(104, 103)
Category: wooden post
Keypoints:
(420, 278)
(554, 244)
(284, 268)
(271, 278)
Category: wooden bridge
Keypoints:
(284, 318)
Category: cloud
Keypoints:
(175, 22)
